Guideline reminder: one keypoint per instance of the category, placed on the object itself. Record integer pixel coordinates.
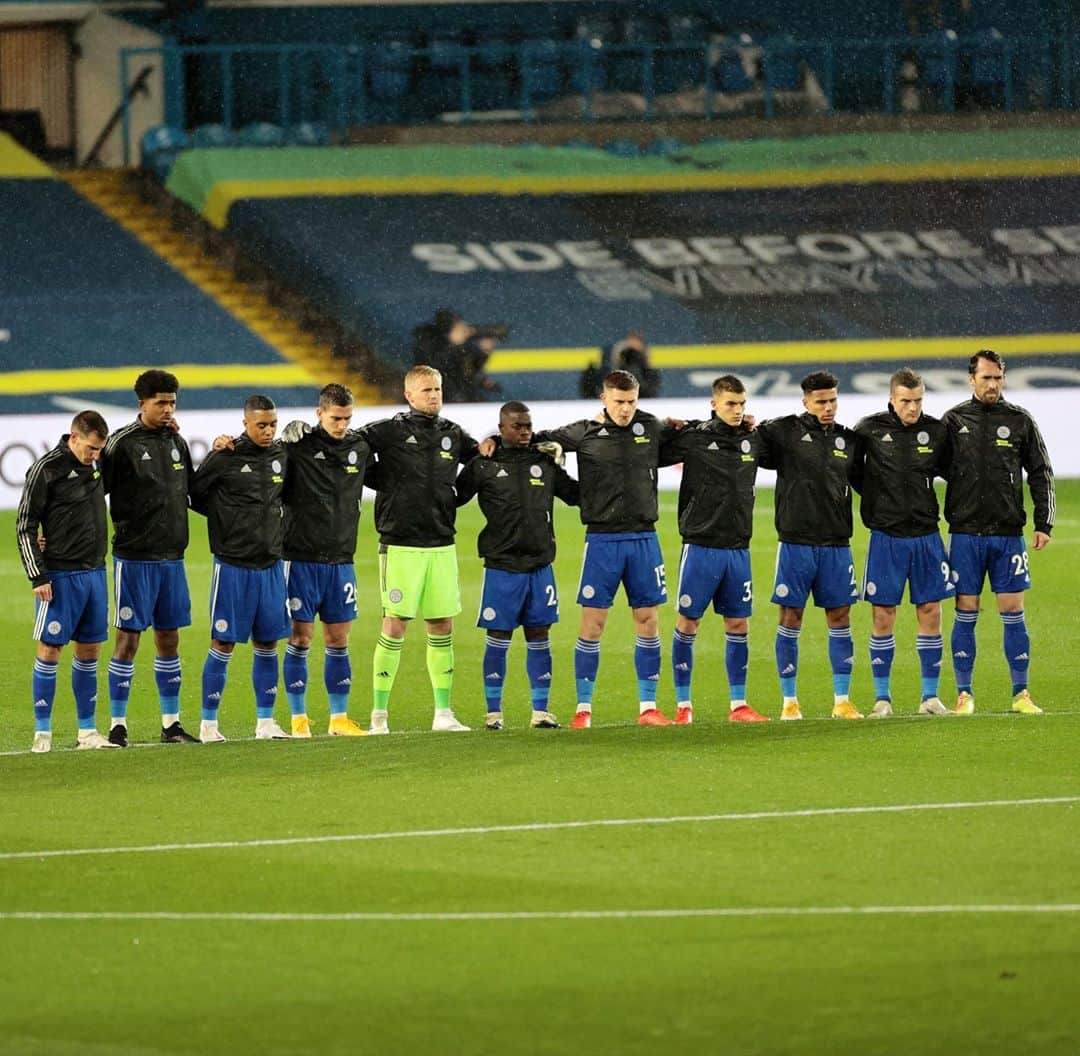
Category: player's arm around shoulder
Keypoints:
(468, 480)
(569, 437)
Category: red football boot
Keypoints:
(582, 720)
(745, 713)
(654, 717)
(684, 717)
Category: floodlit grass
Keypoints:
(950, 981)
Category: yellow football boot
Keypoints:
(343, 726)
(1023, 704)
(844, 709)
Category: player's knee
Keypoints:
(733, 625)
(302, 639)
(686, 625)
(884, 619)
(838, 618)
(790, 618)
(127, 645)
(166, 642)
(504, 636)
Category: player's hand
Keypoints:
(599, 418)
(1040, 541)
(44, 592)
(294, 431)
(174, 425)
(223, 442)
(486, 447)
(553, 450)
(675, 423)
(749, 422)
(41, 543)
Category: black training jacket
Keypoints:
(323, 485)
(617, 469)
(813, 467)
(516, 489)
(418, 461)
(239, 493)
(895, 466)
(716, 496)
(147, 473)
(990, 449)
(67, 501)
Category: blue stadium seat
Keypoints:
(307, 134)
(731, 75)
(781, 64)
(660, 148)
(623, 148)
(588, 70)
(540, 68)
(159, 147)
(390, 70)
(209, 136)
(446, 53)
(261, 134)
(937, 57)
(985, 63)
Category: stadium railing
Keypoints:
(339, 86)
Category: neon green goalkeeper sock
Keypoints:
(384, 669)
(440, 665)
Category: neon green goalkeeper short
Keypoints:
(419, 581)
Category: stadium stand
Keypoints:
(87, 302)
(726, 254)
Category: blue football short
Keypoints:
(249, 603)
(630, 558)
(326, 590)
(79, 610)
(827, 572)
(1003, 557)
(712, 574)
(518, 599)
(892, 562)
(150, 593)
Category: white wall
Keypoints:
(97, 84)
(24, 438)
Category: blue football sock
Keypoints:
(264, 680)
(495, 650)
(736, 660)
(1017, 643)
(930, 647)
(121, 675)
(963, 648)
(168, 678)
(682, 666)
(84, 689)
(538, 668)
(214, 671)
(586, 666)
(337, 676)
(882, 652)
(43, 686)
(295, 672)
(787, 659)
(841, 659)
(647, 666)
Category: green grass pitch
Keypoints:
(257, 919)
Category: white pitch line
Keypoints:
(535, 826)
(555, 914)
